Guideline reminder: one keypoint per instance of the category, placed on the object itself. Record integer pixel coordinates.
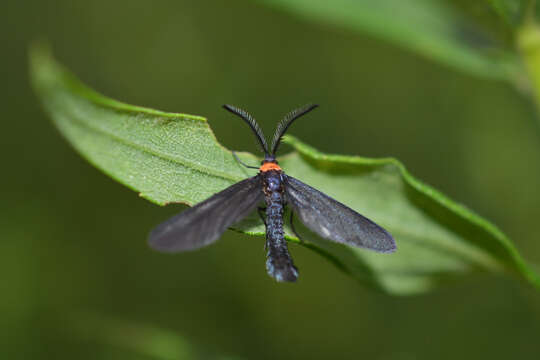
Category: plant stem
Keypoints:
(528, 42)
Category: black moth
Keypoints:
(205, 222)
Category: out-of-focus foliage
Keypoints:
(436, 29)
(512, 11)
(136, 339)
(480, 37)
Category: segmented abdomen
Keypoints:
(279, 263)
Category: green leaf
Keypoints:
(166, 157)
(176, 158)
(432, 28)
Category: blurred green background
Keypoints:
(77, 278)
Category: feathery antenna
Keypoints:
(252, 123)
(286, 122)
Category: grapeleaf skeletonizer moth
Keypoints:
(204, 223)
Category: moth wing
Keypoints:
(205, 222)
(335, 221)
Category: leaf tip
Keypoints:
(39, 52)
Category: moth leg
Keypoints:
(242, 163)
(262, 214)
(294, 230)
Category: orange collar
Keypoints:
(269, 166)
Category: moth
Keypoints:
(205, 222)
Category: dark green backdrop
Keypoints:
(77, 279)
